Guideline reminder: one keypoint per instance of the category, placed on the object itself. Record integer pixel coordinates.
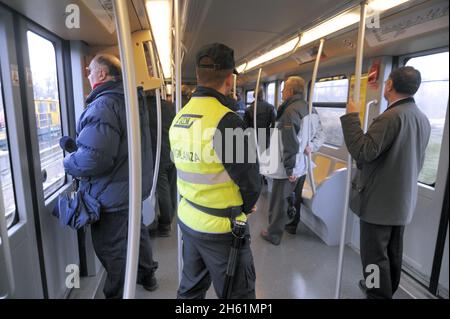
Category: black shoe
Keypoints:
(163, 231)
(149, 283)
(291, 229)
(265, 235)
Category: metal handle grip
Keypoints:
(159, 127)
(366, 114)
(311, 95)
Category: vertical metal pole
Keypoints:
(255, 128)
(134, 145)
(356, 96)
(161, 76)
(178, 108)
(311, 95)
(159, 126)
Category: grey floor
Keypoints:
(301, 267)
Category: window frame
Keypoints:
(402, 61)
(279, 89)
(246, 96)
(15, 213)
(333, 105)
(274, 93)
(63, 73)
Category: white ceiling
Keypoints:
(422, 25)
(51, 14)
(249, 25)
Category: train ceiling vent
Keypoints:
(411, 23)
(306, 56)
(103, 11)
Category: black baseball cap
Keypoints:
(222, 56)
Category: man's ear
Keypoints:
(102, 74)
(389, 85)
(229, 80)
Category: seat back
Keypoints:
(339, 165)
(322, 168)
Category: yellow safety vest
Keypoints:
(201, 176)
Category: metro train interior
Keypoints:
(46, 45)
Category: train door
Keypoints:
(44, 92)
(20, 269)
(422, 234)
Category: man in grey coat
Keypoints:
(293, 119)
(389, 156)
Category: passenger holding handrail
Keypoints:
(292, 122)
(101, 163)
(389, 158)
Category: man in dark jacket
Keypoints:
(101, 164)
(166, 187)
(265, 117)
(390, 156)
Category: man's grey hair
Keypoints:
(296, 83)
(110, 64)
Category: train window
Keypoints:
(280, 96)
(432, 99)
(330, 98)
(249, 97)
(271, 93)
(48, 119)
(6, 181)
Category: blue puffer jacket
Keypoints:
(101, 161)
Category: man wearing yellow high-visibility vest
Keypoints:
(218, 180)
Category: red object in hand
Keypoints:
(374, 73)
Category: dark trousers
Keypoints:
(382, 246)
(297, 202)
(166, 190)
(205, 259)
(109, 236)
(278, 205)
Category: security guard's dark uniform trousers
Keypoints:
(204, 261)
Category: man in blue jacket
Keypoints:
(101, 165)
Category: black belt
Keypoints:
(230, 212)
